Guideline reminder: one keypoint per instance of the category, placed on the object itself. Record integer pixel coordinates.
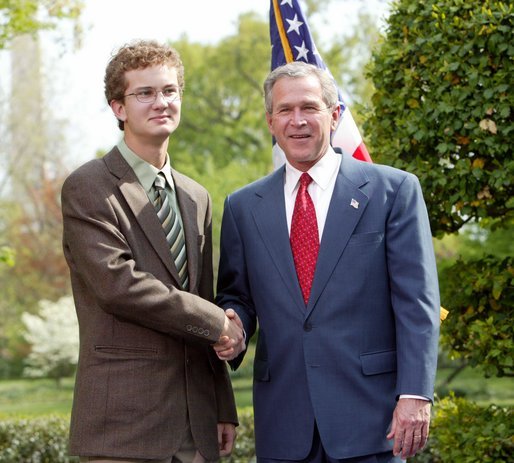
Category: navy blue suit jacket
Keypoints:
(370, 329)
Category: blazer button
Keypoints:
(307, 327)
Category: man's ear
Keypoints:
(118, 108)
(336, 115)
(269, 120)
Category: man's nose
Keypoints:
(298, 117)
(160, 99)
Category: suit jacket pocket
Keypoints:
(375, 363)
(126, 351)
(261, 370)
(360, 239)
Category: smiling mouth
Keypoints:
(161, 117)
(300, 137)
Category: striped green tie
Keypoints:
(172, 228)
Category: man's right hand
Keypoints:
(231, 342)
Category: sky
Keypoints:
(75, 77)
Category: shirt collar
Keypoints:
(321, 172)
(144, 171)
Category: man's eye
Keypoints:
(146, 93)
(170, 91)
(311, 109)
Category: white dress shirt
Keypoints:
(323, 174)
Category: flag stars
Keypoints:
(294, 24)
(287, 2)
(302, 52)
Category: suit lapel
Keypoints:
(346, 208)
(141, 207)
(188, 212)
(271, 223)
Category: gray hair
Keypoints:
(297, 69)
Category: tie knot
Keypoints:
(160, 181)
(305, 180)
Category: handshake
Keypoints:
(232, 340)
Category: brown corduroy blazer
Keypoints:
(146, 368)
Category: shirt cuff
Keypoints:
(411, 396)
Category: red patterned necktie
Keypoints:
(304, 237)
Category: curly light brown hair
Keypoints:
(139, 54)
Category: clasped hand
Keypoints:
(232, 341)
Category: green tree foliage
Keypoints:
(6, 256)
(223, 141)
(442, 109)
(348, 57)
(33, 230)
(19, 17)
(31, 263)
(443, 106)
(223, 110)
(482, 332)
(36, 269)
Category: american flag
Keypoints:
(291, 40)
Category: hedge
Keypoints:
(35, 440)
(464, 432)
(461, 431)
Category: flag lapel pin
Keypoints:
(354, 203)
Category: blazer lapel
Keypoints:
(271, 223)
(188, 212)
(141, 207)
(346, 208)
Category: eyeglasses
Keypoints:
(149, 95)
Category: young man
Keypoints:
(334, 258)
(137, 239)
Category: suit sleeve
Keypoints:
(126, 279)
(233, 289)
(414, 290)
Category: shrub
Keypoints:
(461, 431)
(35, 440)
(45, 440)
(464, 432)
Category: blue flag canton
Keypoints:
(298, 36)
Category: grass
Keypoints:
(37, 397)
(472, 384)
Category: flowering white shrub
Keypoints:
(54, 337)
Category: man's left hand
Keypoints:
(226, 438)
(410, 426)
